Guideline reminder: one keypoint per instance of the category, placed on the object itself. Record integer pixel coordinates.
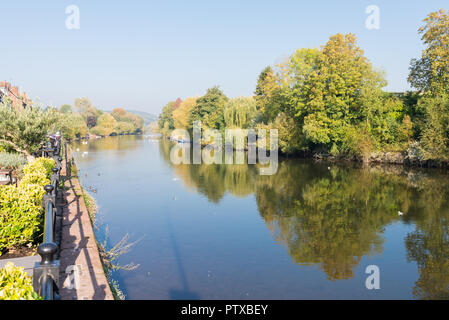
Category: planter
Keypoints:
(6, 177)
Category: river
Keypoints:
(308, 232)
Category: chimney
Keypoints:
(15, 91)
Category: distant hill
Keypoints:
(147, 117)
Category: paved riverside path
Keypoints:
(81, 272)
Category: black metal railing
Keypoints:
(46, 272)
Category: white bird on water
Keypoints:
(400, 213)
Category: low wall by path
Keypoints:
(81, 272)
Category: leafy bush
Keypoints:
(15, 284)
(435, 134)
(358, 142)
(25, 131)
(21, 207)
(11, 160)
(20, 214)
(38, 172)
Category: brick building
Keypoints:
(19, 100)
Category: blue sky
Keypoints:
(142, 54)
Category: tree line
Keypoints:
(23, 132)
(332, 101)
(84, 118)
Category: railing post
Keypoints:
(46, 272)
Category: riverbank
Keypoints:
(412, 157)
(91, 136)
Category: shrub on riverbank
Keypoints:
(39, 171)
(21, 206)
(15, 284)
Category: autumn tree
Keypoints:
(181, 114)
(177, 104)
(106, 124)
(118, 113)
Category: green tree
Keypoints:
(333, 92)
(267, 95)
(72, 125)
(430, 75)
(25, 131)
(66, 108)
(124, 127)
(209, 109)
(166, 117)
(106, 125)
(435, 133)
(88, 111)
(240, 112)
(431, 72)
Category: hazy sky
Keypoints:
(142, 54)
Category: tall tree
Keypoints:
(209, 109)
(181, 114)
(431, 72)
(430, 75)
(88, 111)
(166, 117)
(267, 95)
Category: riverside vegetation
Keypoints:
(22, 134)
(21, 225)
(330, 101)
(84, 118)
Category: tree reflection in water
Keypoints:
(331, 217)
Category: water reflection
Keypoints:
(331, 216)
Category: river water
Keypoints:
(308, 232)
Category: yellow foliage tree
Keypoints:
(181, 114)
